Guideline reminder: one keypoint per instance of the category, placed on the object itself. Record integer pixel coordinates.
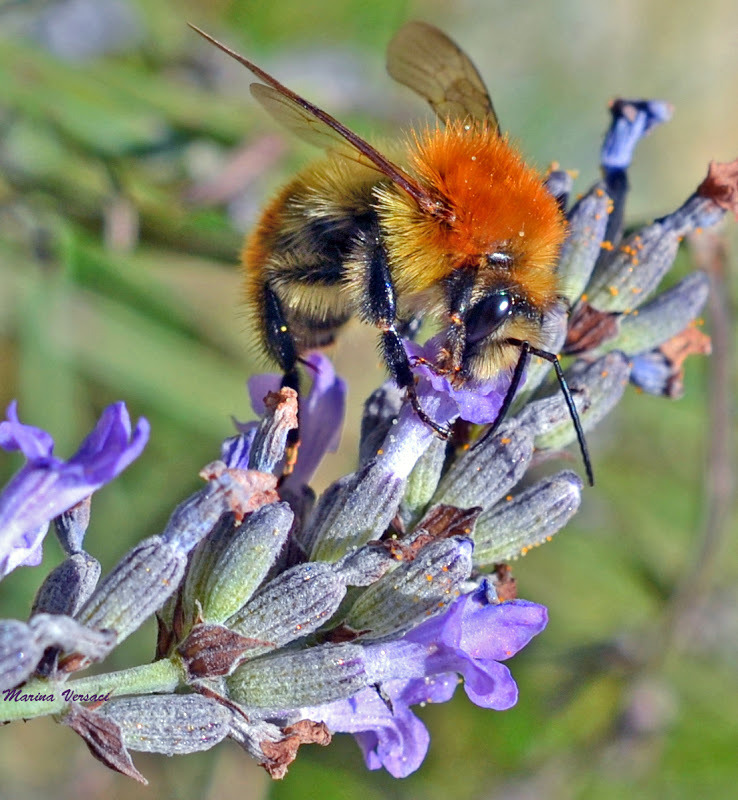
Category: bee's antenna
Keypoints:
(526, 349)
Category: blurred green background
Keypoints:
(132, 158)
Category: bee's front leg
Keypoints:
(379, 307)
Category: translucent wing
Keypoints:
(321, 128)
(428, 62)
(303, 124)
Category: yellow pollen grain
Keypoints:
(599, 193)
(604, 373)
(614, 291)
(635, 262)
(598, 216)
(698, 231)
(505, 441)
(606, 245)
(509, 498)
(584, 298)
(429, 577)
(636, 290)
(467, 446)
(444, 569)
(380, 452)
(283, 328)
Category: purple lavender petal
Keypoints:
(27, 552)
(46, 486)
(259, 388)
(111, 446)
(499, 631)
(631, 121)
(489, 684)
(235, 451)
(472, 636)
(321, 415)
(32, 442)
(469, 639)
(321, 419)
(477, 402)
(400, 745)
(394, 739)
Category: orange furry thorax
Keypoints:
(492, 201)
(494, 197)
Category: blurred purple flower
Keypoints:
(47, 486)
(631, 121)
(321, 419)
(470, 639)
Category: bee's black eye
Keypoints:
(487, 315)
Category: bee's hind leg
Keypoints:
(281, 346)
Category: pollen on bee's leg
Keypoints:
(419, 360)
(290, 460)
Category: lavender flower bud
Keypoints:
(635, 271)
(19, 652)
(579, 253)
(228, 490)
(136, 588)
(658, 321)
(380, 412)
(414, 591)
(228, 566)
(57, 630)
(270, 440)
(487, 472)
(365, 565)
(68, 585)
(596, 389)
(293, 679)
(22, 645)
(353, 511)
(530, 518)
(555, 327)
(422, 482)
(173, 724)
(71, 526)
(559, 183)
(293, 605)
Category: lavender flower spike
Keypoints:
(47, 486)
(470, 639)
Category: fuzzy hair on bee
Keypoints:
(451, 224)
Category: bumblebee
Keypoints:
(451, 223)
